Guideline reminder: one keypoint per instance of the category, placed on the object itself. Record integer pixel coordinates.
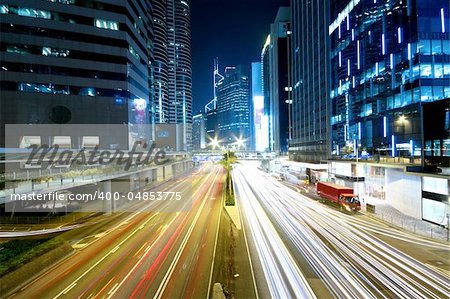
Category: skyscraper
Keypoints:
(276, 60)
(173, 70)
(390, 90)
(198, 131)
(180, 69)
(260, 120)
(160, 66)
(389, 60)
(75, 62)
(311, 85)
(233, 107)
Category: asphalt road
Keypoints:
(164, 254)
(308, 249)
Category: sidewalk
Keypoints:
(391, 215)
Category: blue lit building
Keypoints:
(198, 131)
(233, 108)
(389, 103)
(389, 59)
(260, 122)
(276, 68)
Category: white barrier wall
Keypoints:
(404, 192)
(436, 208)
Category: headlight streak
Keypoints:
(358, 251)
(339, 280)
(283, 277)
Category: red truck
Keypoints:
(341, 195)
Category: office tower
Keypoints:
(179, 65)
(75, 62)
(233, 108)
(276, 60)
(160, 66)
(260, 120)
(310, 46)
(212, 128)
(390, 89)
(387, 66)
(198, 131)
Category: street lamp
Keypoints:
(240, 142)
(214, 143)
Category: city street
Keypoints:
(293, 239)
(160, 255)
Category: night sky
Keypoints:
(234, 31)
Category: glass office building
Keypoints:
(389, 61)
(310, 81)
(77, 62)
(233, 107)
(276, 67)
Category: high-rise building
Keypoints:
(389, 60)
(233, 108)
(75, 62)
(160, 66)
(276, 61)
(390, 90)
(311, 85)
(172, 69)
(180, 69)
(212, 128)
(198, 131)
(260, 121)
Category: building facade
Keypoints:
(198, 132)
(260, 123)
(212, 127)
(389, 60)
(233, 108)
(161, 60)
(75, 62)
(173, 66)
(277, 81)
(180, 66)
(390, 90)
(311, 84)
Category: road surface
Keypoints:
(337, 254)
(148, 254)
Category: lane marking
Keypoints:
(106, 255)
(169, 273)
(215, 247)
(66, 290)
(246, 243)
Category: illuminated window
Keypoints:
(47, 51)
(34, 13)
(63, 1)
(4, 9)
(438, 92)
(425, 47)
(133, 52)
(18, 49)
(425, 70)
(446, 46)
(446, 70)
(426, 93)
(105, 24)
(436, 46)
(88, 91)
(438, 70)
